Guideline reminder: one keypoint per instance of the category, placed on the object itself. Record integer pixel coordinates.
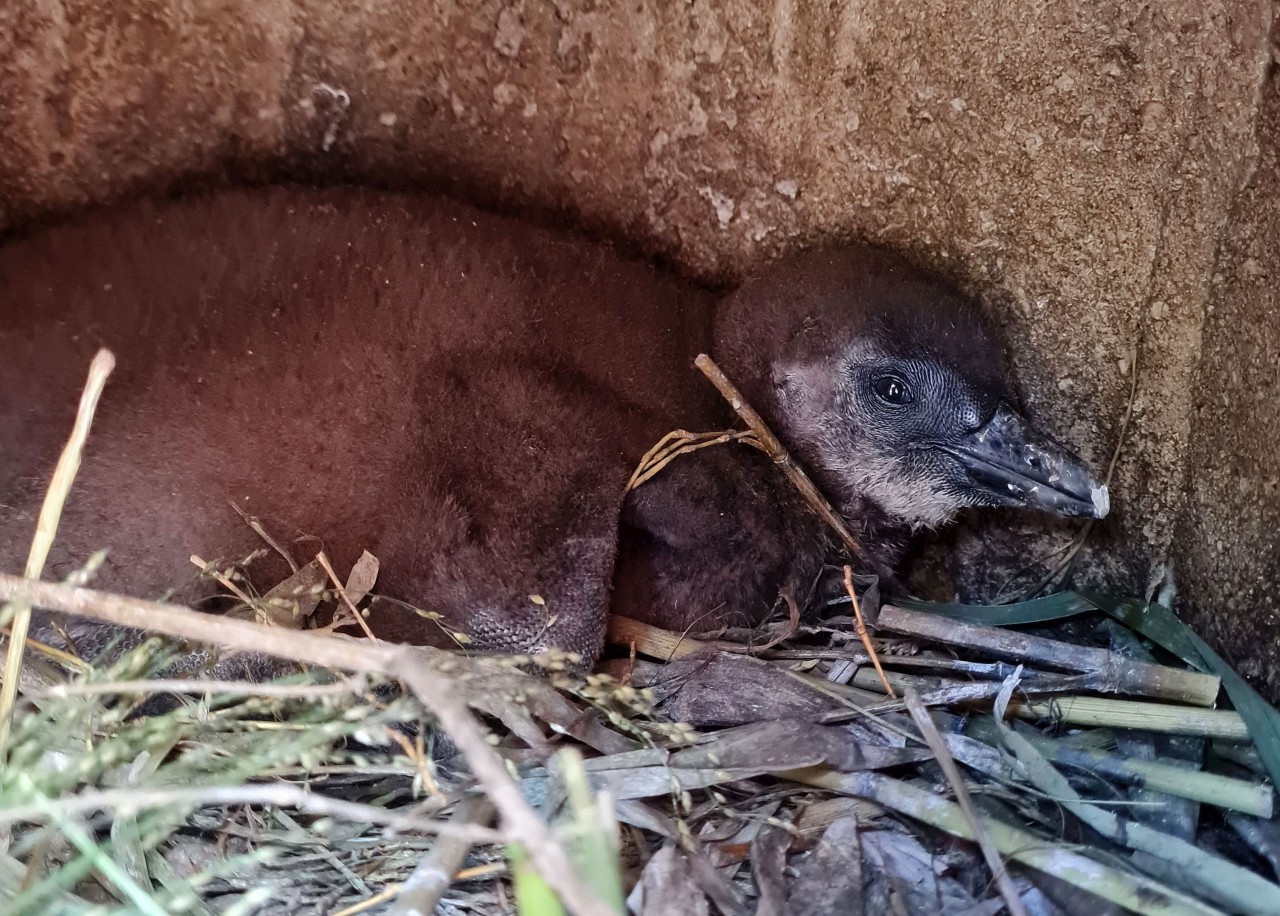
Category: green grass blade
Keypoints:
(533, 896)
(1157, 623)
(1260, 716)
(1038, 610)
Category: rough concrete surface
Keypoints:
(1074, 164)
(1228, 545)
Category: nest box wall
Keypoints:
(1098, 172)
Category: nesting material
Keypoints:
(900, 757)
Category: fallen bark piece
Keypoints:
(791, 745)
(725, 690)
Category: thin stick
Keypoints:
(414, 665)
(222, 579)
(261, 532)
(226, 688)
(64, 474)
(1120, 674)
(656, 642)
(387, 893)
(133, 799)
(342, 591)
(862, 631)
(421, 893)
(520, 822)
(1078, 542)
(929, 731)
(771, 446)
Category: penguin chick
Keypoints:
(466, 396)
(890, 389)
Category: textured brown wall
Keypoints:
(1229, 542)
(1076, 164)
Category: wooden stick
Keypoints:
(862, 631)
(771, 446)
(64, 474)
(423, 890)
(658, 643)
(342, 592)
(1123, 675)
(280, 794)
(419, 667)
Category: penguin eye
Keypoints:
(892, 390)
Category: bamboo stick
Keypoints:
(1085, 711)
(1123, 674)
(1210, 788)
(773, 447)
(1134, 892)
(1164, 718)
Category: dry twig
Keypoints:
(346, 599)
(64, 475)
(768, 443)
(417, 667)
(862, 631)
(285, 795)
(421, 893)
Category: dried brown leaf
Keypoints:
(724, 690)
(361, 579)
(830, 879)
(667, 886)
(768, 859)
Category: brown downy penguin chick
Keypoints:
(465, 396)
(891, 391)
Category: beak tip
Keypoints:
(1101, 501)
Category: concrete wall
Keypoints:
(1075, 164)
(1229, 539)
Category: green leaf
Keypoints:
(533, 896)
(1038, 610)
(1157, 623)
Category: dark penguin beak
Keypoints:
(1019, 466)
